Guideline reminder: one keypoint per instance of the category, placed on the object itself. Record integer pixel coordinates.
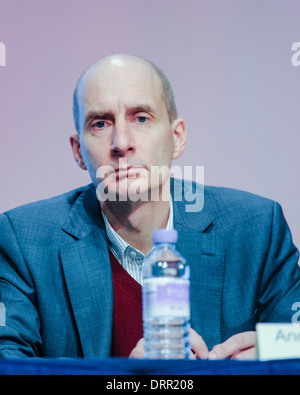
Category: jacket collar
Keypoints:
(85, 215)
(189, 212)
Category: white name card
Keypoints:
(278, 341)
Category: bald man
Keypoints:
(123, 114)
(70, 266)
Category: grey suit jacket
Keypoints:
(56, 282)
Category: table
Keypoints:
(120, 366)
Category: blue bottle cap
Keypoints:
(165, 236)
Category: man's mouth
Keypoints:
(128, 172)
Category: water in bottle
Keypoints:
(166, 301)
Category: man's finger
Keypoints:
(233, 345)
(247, 355)
(198, 345)
(139, 351)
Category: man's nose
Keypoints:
(122, 140)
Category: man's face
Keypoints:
(126, 133)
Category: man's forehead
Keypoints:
(113, 74)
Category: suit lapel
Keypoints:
(86, 266)
(205, 254)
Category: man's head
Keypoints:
(126, 120)
(166, 90)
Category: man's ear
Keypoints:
(75, 145)
(179, 134)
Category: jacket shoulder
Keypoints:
(233, 206)
(43, 211)
(235, 196)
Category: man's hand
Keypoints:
(241, 347)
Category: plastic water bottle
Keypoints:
(166, 299)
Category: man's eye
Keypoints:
(142, 119)
(99, 125)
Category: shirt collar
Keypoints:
(120, 247)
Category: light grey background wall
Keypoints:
(230, 63)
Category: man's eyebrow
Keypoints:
(141, 108)
(91, 116)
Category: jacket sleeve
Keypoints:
(20, 324)
(280, 285)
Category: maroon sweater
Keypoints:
(127, 316)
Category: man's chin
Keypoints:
(124, 190)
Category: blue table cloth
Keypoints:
(119, 366)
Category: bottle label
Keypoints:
(166, 297)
